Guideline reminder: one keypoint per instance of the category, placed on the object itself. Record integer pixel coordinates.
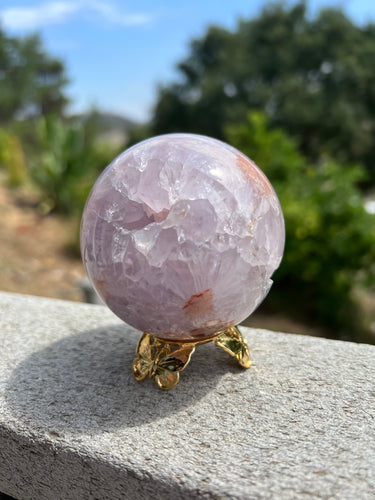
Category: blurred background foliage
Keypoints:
(312, 76)
(329, 235)
(69, 161)
(12, 158)
(295, 93)
(32, 82)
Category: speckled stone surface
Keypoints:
(74, 424)
(180, 236)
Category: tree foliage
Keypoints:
(31, 81)
(330, 238)
(312, 76)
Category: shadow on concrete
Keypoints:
(84, 384)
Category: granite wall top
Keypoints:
(75, 424)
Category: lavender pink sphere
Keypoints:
(180, 236)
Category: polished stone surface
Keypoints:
(180, 236)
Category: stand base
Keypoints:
(163, 361)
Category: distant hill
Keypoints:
(110, 127)
(108, 121)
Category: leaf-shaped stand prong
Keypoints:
(143, 365)
(164, 361)
(232, 341)
(161, 360)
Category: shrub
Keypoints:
(330, 238)
(68, 163)
(12, 158)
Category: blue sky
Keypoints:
(116, 52)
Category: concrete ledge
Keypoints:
(75, 425)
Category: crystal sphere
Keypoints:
(180, 236)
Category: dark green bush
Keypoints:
(330, 238)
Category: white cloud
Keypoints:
(113, 15)
(32, 18)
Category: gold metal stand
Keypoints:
(164, 360)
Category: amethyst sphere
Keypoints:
(180, 236)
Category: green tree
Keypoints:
(312, 76)
(330, 238)
(31, 81)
